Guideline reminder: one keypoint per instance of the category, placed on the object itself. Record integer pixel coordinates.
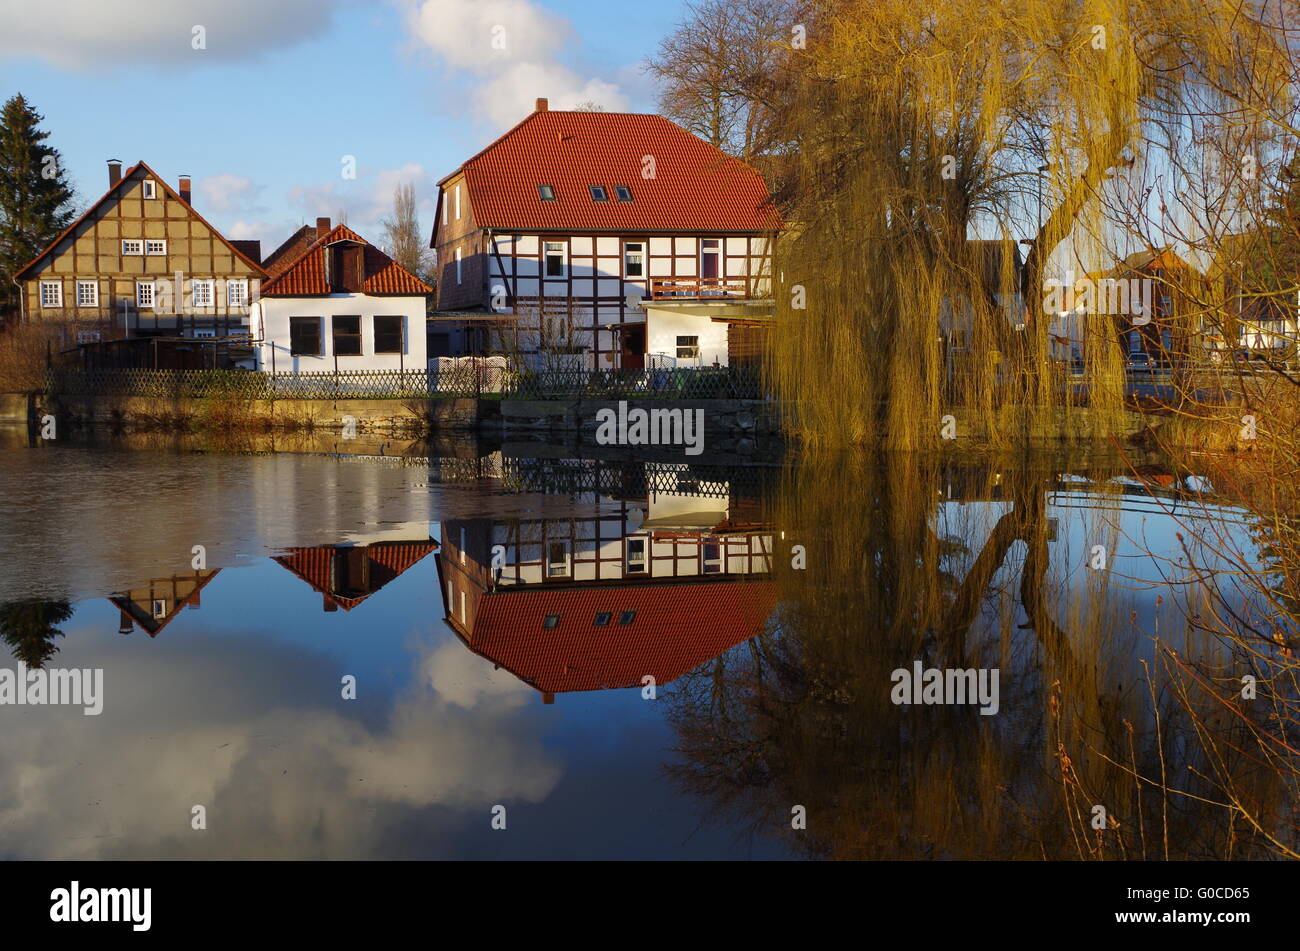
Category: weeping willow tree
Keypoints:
(917, 127)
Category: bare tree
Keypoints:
(402, 233)
(714, 66)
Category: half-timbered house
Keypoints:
(142, 262)
(567, 238)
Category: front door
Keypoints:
(632, 356)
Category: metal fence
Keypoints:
(462, 381)
(253, 385)
(704, 383)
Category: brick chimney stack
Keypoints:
(114, 171)
(322, 227)
(543, 104)
(184, 189)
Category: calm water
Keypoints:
(500, 611)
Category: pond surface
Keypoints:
(613, 657)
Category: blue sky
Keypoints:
(265, 114)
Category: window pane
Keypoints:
(388, 335)
(347, 336)
(304, 336)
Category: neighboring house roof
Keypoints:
(121, 185)
(678, 626)
(695, 187)
(387, 561)
(305, 275)
(290, 250)
(145, 619)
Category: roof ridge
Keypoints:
(114, 187)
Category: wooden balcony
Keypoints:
(682, 288)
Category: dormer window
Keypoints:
(546, 192)
(598, 193)
(150, 188)
(622, 193)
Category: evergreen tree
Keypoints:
(30, 627)
(35, 197)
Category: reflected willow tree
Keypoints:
(30, 628)
(896, 572)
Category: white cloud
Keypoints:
(226, 192)
(513, 50)
(284, 769)
(96, 34)
(364, 200)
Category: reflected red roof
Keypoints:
(305, 274)
(695, 187)
(388, 560)
(678, 627)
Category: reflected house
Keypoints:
(152, 606)
(601, 602)
(345, 575)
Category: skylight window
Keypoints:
(623, 193)
(546, 192)
(598, 193)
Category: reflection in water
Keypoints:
(1006, 577)
(30, 627)
(769, 606)
(636, 596)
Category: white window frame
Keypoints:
(161, 252)
(239, 299)
(139, 297)
(640, 252)
(93, 300)
(458, 274)
(149, 188)
(715, 251)
(458, 203)
(205, 332)
(133, 247)
(446, 205)
(693, 350)
(563, 247)
(636, 564)
(210, 286)
(56, 300)
(565, 565)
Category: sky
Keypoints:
(269, 104)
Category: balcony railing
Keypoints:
(699, 289)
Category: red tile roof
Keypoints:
(696, 187)
(125, 181)
(305, 274)
(388, 560)
(678, 626)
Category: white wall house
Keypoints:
(303, 334)
(338, 303)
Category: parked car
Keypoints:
(1139, 363)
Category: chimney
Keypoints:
(114, 171)
(184, 189)
(543, 105)
(322, 227)
(548, 698)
